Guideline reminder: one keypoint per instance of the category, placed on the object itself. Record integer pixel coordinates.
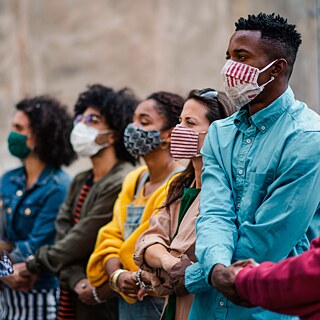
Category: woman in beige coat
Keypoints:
(167, 248)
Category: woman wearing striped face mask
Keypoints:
(167, 247)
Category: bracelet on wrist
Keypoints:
(96, 297)
(29, 258)
(141, 283)
(113, 281)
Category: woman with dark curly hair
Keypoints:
(101, 115)
(30, 198)
(143, 190)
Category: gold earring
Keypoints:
(164, 145)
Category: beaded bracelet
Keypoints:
(141, 283)
(96, 297)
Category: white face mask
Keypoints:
(83, 140)
(241, 81)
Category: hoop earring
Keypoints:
(164, 145)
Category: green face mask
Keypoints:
(17, 145)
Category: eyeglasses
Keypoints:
(88, 119)
(211, 94)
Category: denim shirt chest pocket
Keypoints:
(255, 191)
(25, 216)
(19, 215)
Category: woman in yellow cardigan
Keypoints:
(143, 191)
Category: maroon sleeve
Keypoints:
(290, 286)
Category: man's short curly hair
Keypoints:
(51, 124)
(117, 108)
(281, 37)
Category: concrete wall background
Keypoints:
(58, 47)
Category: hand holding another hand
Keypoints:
(21, 279)
(127, 284)
(223, 280)
(84, 292)
(177, 275)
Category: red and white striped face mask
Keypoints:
(184, 143)
(241, 81)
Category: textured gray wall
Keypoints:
(58, 47)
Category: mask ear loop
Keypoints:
(264, 69)
(105, 145)
(199, 154)
(268, 66)
(30, 136)
(263, 85)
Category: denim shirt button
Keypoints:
(221, 303)
(1, 203)
(19, 193)
(9, 210)
(263, 128)
(240, 171)
(27, 212)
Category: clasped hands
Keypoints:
(21, 279)
(223, 280)
(170, 278)
(126, 282)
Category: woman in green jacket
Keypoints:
(101, 115)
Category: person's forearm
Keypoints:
(112, 265)
(154, 255)
(279, 287)
(216, 273)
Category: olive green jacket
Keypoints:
(68, 257)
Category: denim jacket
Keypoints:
(29, 214)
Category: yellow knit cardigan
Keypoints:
(110, 241)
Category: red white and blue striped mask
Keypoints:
(241, 81)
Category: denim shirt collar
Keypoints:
(264, 119)
(20, 178)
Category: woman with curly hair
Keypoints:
(30, 198)
(143, 190)
(101, 115)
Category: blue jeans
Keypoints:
(148, 309)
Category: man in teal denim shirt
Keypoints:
(261, 180)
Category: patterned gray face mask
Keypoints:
(139, 142)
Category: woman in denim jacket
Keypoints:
(30, 199)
